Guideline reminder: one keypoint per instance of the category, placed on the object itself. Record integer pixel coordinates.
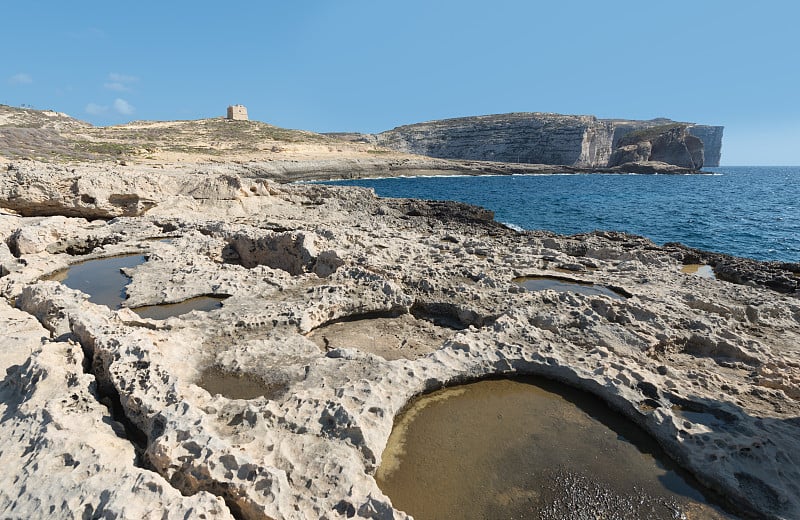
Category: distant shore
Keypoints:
(250, 148)
(358, 168)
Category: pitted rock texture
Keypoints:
(709, 368)
(543, 138)
(65, 455)
(99, 192)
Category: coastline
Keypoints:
(706, 367)
(745, 212)
(293, 171)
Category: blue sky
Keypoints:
(358, 65)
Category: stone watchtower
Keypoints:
(237, 113)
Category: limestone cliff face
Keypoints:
(671, 144)
(519, 137)
(711, 136)
(532, 137)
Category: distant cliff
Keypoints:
(532, 137)
(711, 136)
(670, 143)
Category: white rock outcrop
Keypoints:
(108, 413)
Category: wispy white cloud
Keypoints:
(95, 109)
(123, 107)
(120, 82)
(21, 78)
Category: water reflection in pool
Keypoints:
(101, 279)
(168, 310)
(542, 283)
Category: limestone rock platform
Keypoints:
(340, 307)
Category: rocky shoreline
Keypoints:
(105, 412)
(322, 170)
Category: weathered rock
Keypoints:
(65, 455)
(712, 142)
(45, 189)
(631, 153)
(542, 138)
(650, 167)
(536, 138)
(671, 144)
(22, 335)
(707, 367)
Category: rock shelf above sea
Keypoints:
(106, 413)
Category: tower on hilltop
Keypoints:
(237, 113)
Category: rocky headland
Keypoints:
(339, 308)
(556, 139)
(525, 143)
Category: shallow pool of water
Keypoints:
(701, 270)
(238, 386)
(513, 449)
(168, 310)
(101, 279)
(398, 337)
(542, 283)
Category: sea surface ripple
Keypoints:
(745, 211)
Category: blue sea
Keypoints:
(745, 211)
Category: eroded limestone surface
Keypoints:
(709, 368)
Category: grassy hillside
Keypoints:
(55, 137)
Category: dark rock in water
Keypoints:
(696, 150)
(768, 274)
(444, 210)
